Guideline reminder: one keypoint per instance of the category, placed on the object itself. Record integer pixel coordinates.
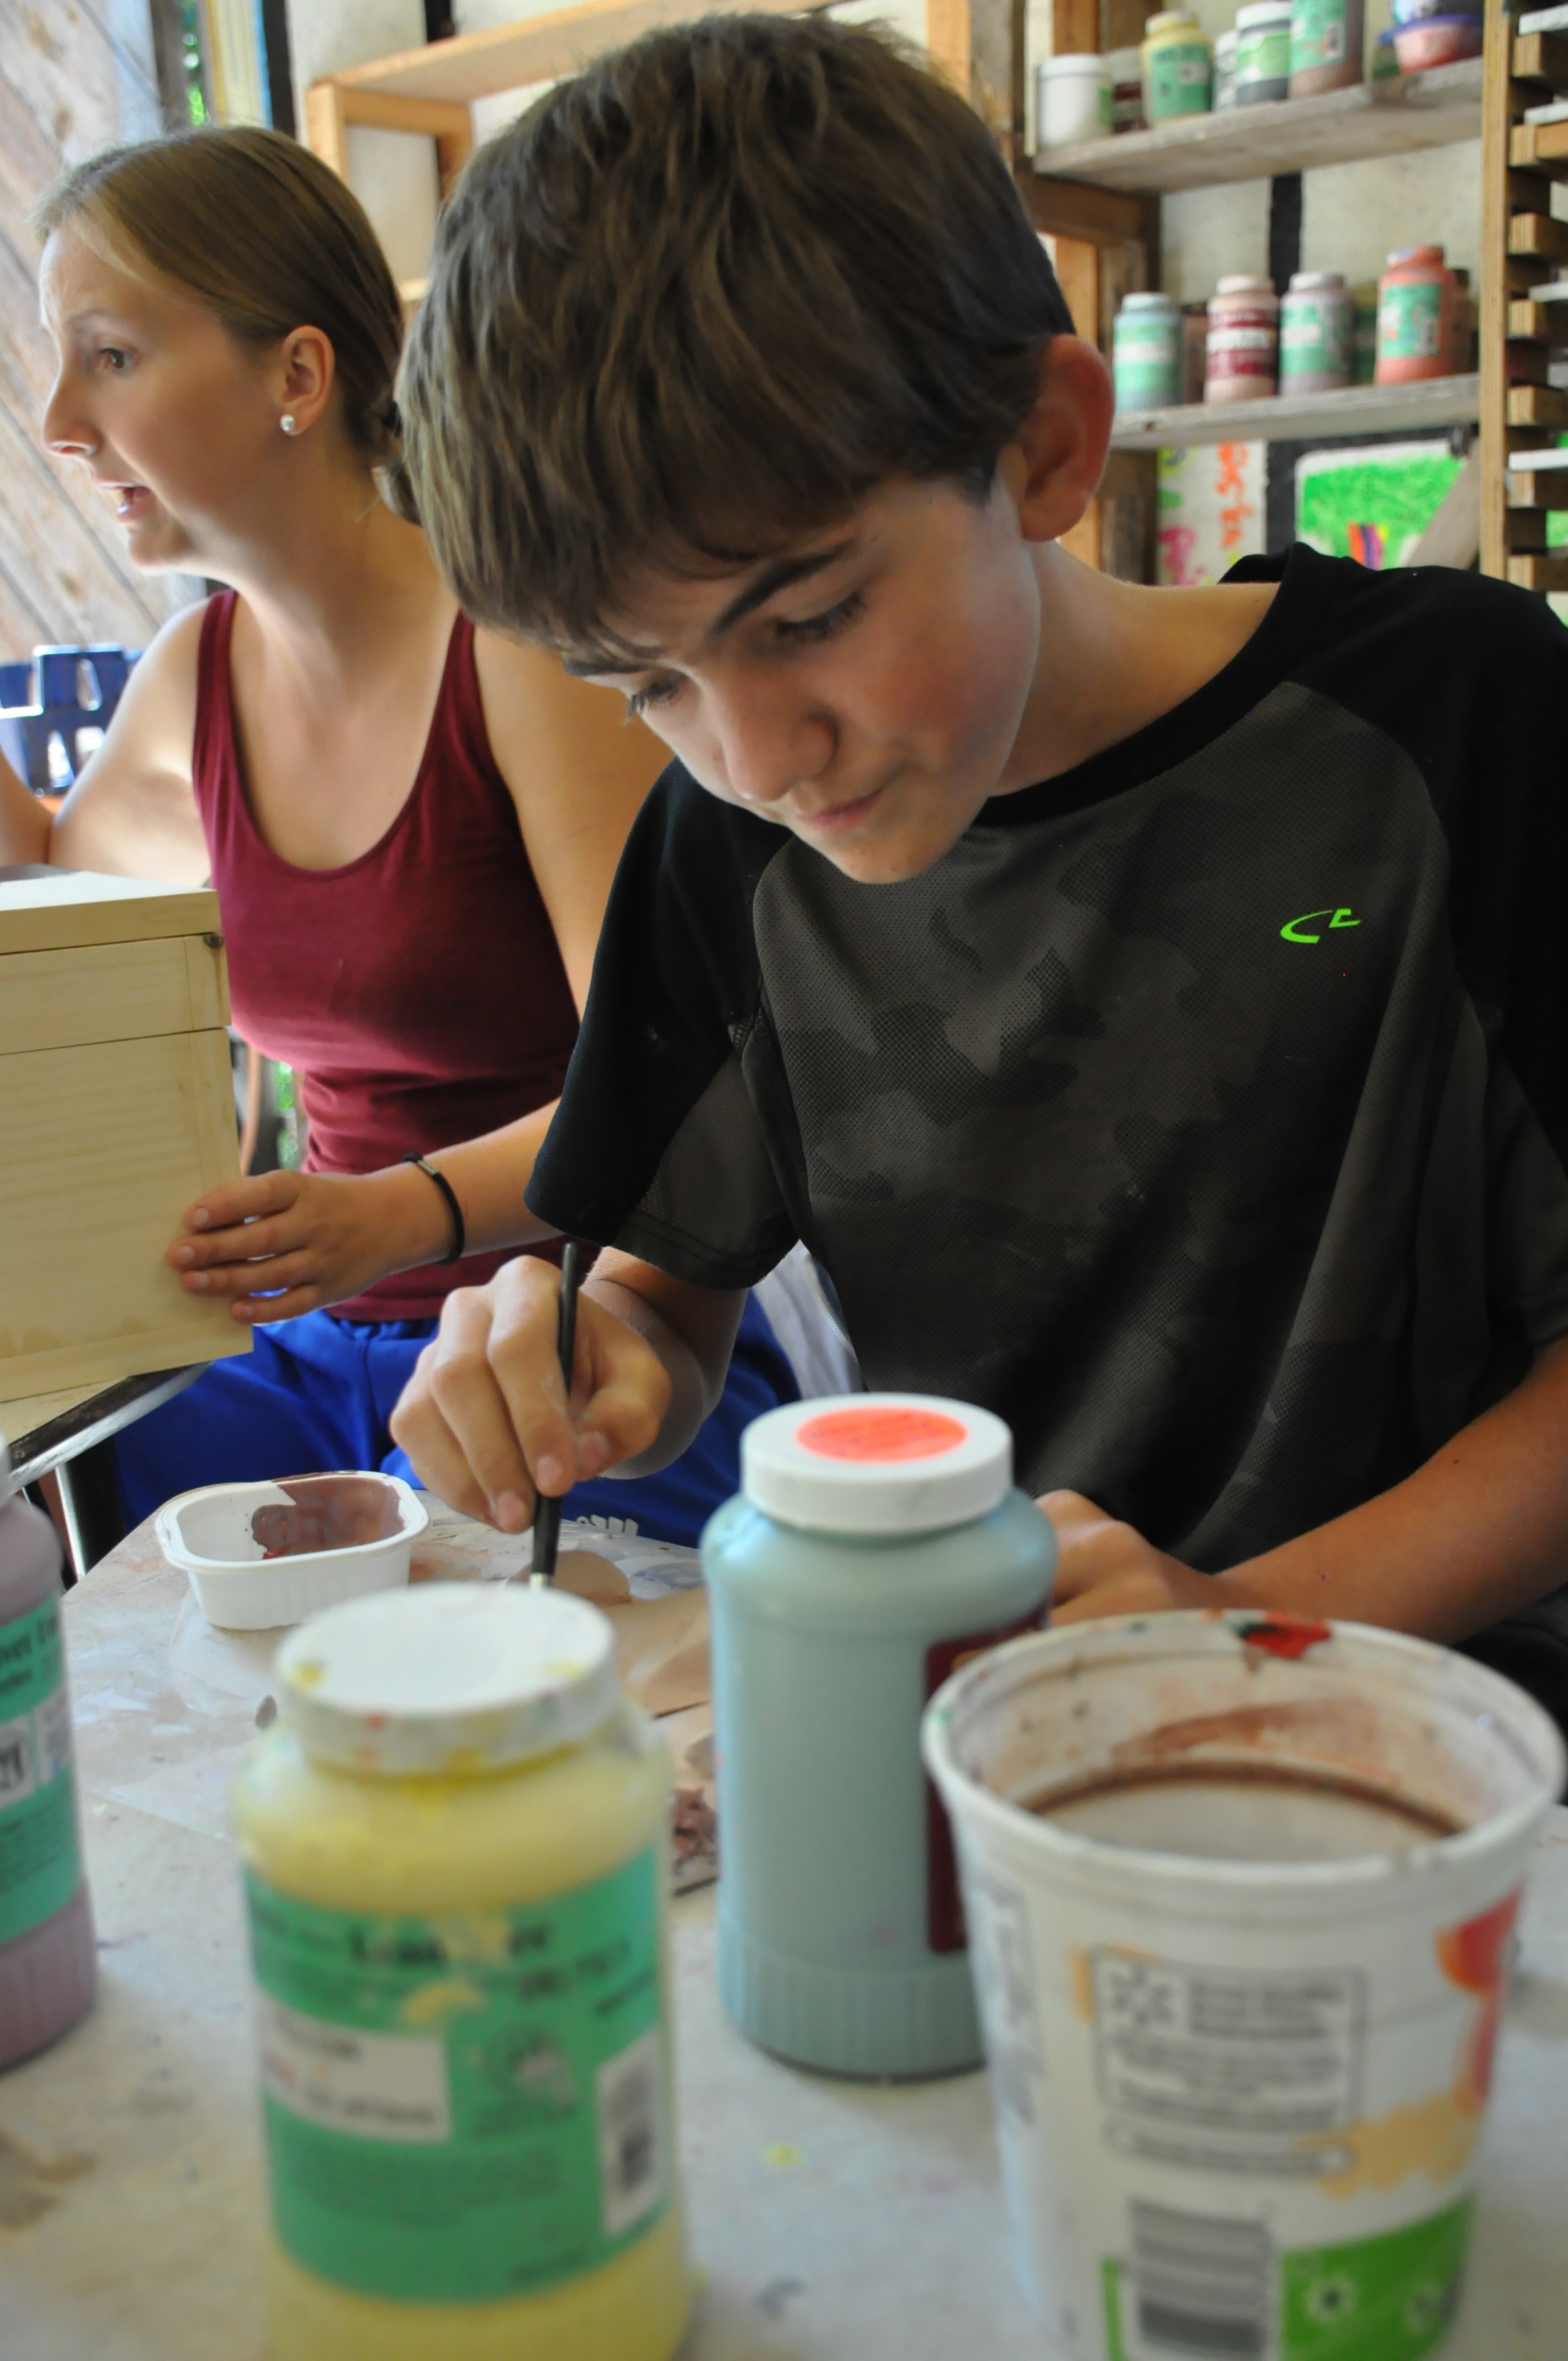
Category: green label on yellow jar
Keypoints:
(1179, 76)
(465, 2108)
(40, 1866)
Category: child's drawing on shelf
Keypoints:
(1211, 511)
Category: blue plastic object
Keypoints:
(44, 703)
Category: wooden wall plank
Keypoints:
(67, 88)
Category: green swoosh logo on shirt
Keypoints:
(1294, 930)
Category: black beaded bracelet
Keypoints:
(459, 1228)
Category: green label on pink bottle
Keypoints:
(40, 1864)
(1409, 321)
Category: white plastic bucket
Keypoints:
(1239, 2099)
(211, 1535)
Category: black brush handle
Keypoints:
(547, 1511)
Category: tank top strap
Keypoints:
(214, 763)
(458, 750)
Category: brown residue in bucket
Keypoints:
(1342, 1731)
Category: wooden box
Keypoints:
(117, 1110)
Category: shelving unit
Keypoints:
(1301, 418)
(429, 92)
(1392, 117)
(1099, 199)
(1524, 317)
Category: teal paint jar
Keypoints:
(878, 1542)
(1146, 352)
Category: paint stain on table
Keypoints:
(30, 2184)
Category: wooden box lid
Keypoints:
(47, 909)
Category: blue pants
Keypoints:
(317, 1393)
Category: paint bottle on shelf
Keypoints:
(1126, 89)
(49, 1959)
(1416, 307)
(1146, 352)
(878, 1541)
(1316, 333)
(1328, 39)
(1072, 99)
(1243, 346)
(455, 1839)
(1226, 45)
(1263, 51)
(1179, 66)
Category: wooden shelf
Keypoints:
(1304, 417)
(1253, 143)
(511, 56)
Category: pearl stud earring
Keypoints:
(288, 422)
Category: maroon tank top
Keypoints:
(417, 992)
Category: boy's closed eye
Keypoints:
(805, 631)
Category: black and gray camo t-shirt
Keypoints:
(1203, 1111)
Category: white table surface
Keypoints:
(829, 2221)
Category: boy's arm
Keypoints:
(1479, 1532)
(485, 1417)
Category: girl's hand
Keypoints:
(1106, 1568)
(285, 1243)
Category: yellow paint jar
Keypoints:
(454, 1843)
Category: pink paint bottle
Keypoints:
(48, 1956)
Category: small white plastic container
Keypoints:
(1072, 99)
(241, 1586)
(1240, 1989)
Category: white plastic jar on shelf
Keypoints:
(1072, 99)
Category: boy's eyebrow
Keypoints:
(780, 574)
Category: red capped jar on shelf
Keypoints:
(1243, 351)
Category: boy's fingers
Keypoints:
(438, 1457)
(526, 1367)
(488, 1342)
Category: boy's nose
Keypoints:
(769, 747)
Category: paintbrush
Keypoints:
(547, 1512)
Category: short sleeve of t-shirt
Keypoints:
(659, 1148)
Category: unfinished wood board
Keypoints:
(1544, 574)
(111, 991)
(1392, 117)
(1355, 409)
(1453, 535)
(25, 1413)
(58, 908)
(1540, 235)
(103, 1147)
(1537, 405)
(661, 1644)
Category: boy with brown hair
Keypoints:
(1147, 1005)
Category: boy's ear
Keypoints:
(1052, 467)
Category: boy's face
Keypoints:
(864, 687)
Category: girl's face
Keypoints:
(176, 422)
